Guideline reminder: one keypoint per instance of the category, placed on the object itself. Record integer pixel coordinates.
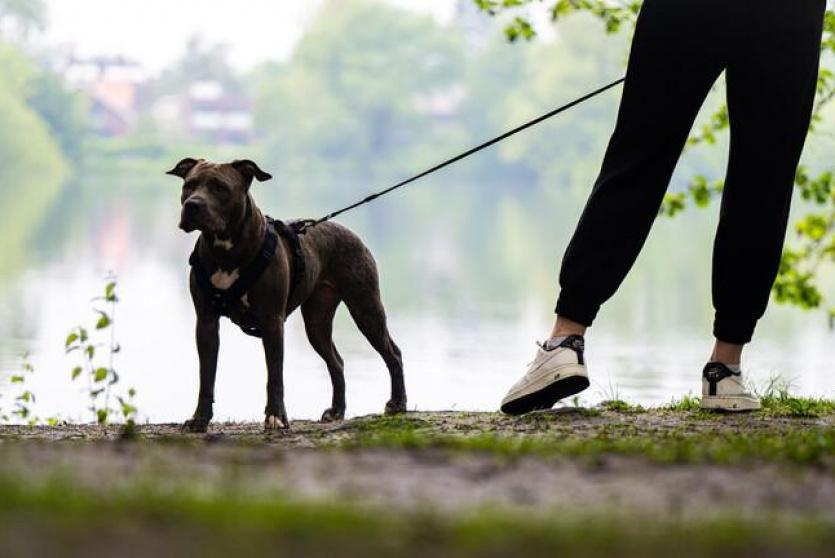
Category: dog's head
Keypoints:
(214, 198)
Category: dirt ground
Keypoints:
(451, 463)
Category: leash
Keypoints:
(312, 223)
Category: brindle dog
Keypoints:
(216, 200)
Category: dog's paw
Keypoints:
(196, 424)
(273, 422)
(395, 406)
(333, 414)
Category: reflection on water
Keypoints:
(465, 328)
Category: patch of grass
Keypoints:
(688, 403)
(558, 414)
(395, 423)
(802, 446)
(620, 406)
(775, 402)
(59, 518)
(778, 402)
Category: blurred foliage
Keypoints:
(798, 276)
(32, 165)
(200, 61)
(64, 112)
(18, 18)
(345, 103)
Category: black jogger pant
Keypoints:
(770, 51)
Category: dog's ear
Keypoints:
(249, 170)
(182, 168)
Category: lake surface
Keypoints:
(465, 304)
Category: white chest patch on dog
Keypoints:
(223, 280)
(225, 244)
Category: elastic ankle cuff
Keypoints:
(733, 330)
(567, 308)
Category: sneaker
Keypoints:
(724, 390)
(556, 373)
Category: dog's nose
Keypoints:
(193, 206)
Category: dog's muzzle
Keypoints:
(193, 214)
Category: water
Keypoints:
(465, 308)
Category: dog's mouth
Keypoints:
(200, 222)
(188, 223)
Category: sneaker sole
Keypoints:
(546, 397)
(730, 404)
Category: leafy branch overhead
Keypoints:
(798, 279)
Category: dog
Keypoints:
(257, 272)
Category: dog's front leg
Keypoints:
(208, 342)
(273, 339)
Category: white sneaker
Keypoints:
(724, 390)
(555, 373)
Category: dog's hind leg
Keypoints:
(318, 312)
(367, 310)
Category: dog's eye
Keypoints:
(217, 188)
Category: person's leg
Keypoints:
(564, 326)
(771, 78)
(771, 81)
(726, 353)
(672, 65)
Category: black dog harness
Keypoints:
(223, 301)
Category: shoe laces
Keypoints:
(542, 347)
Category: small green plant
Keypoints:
(687, 403)
(24, 398)
(101, 379)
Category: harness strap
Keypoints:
(292, 234)
(222, 300)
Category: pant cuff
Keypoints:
(733, 329)
(568, 307)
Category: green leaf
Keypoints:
(71, 338)
(110, 292)
(104, 320)
(100, 374)
(76, 372)
(90, 350)
(101, 415)
(17, 379)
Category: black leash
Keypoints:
(526, 125)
